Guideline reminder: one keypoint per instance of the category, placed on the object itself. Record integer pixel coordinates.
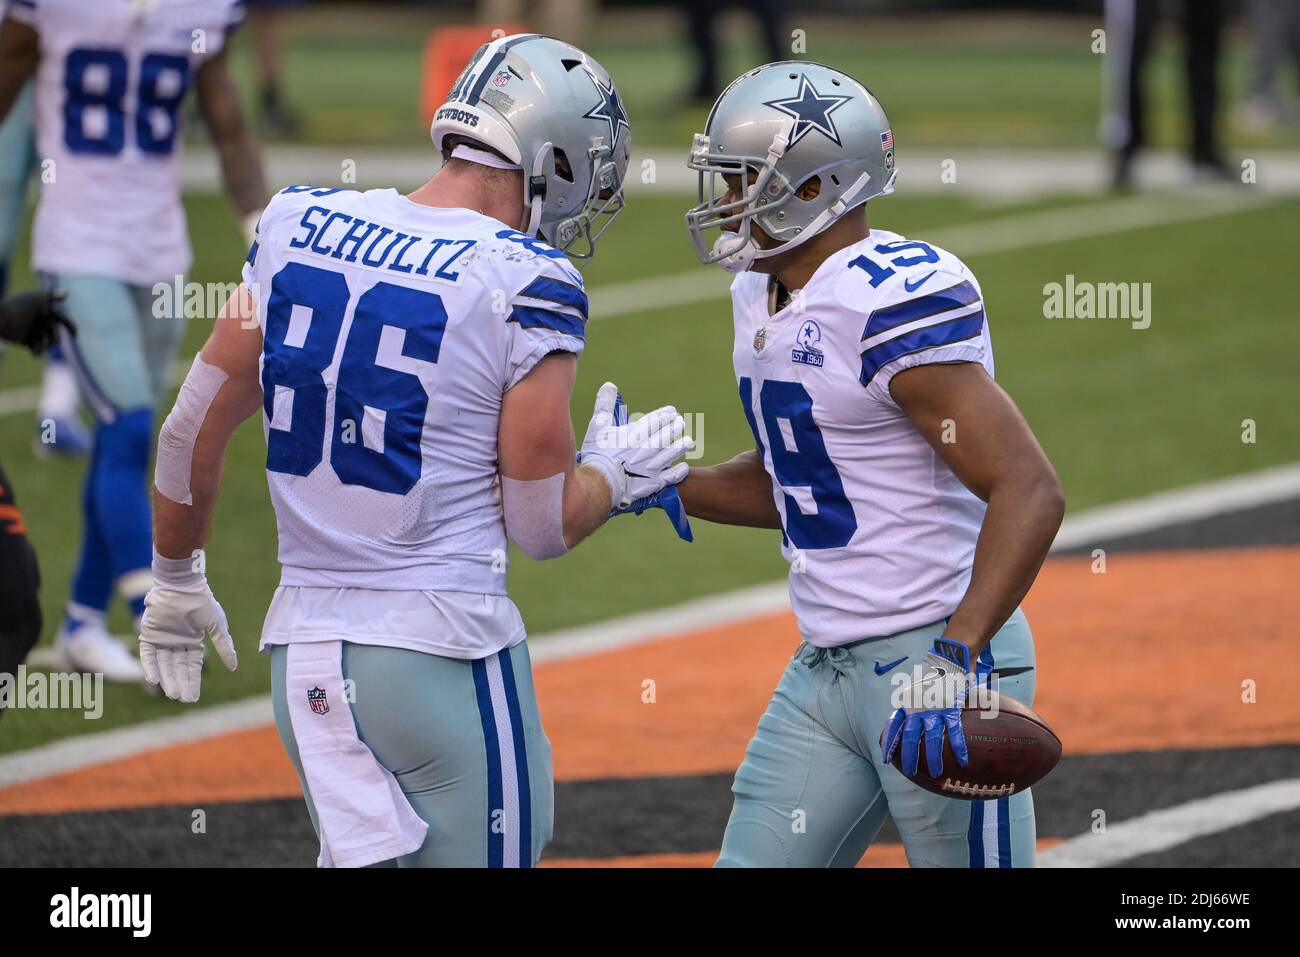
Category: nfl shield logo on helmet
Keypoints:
(316, 698)
(502, 78)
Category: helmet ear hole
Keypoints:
(809, 189)
(562, 167)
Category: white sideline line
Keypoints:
(20, 399)
(1158, 831)
(1153, 511)
(642, 627)
(1192, 502)
(72, 754)
(981, 171)
(1001, 234)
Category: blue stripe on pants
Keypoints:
(521, 760)
(496, 801)
(1004, 832)
(975, 834)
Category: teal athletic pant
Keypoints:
(464, 741)
(813, 791)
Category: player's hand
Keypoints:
(670, 501)
(945, 677)
(666, 498)
(636, 457)
(171, 638)
(33, 319)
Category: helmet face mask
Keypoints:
(769, 191)
(576, 236)
(788, 124)
(523, 96)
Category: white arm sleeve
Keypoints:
(179, 432)
(534, 513)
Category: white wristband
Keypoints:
(178, 572)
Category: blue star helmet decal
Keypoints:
(609, 109)
(811, 111)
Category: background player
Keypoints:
(417, 358)
(58, 426)
(916, 505)
(110, 80)
(34, 320)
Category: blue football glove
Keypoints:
(671, 502)
(669, 499)
(947, 665)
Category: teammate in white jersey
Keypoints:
(59, 429)
(110, 79)
(413, 358)
(915, 503)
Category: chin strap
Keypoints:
(827, 216)
(535, 190)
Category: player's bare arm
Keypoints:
(735, 492)
(221, 391)
(232, 349)
(241, 169)
(536, 444)
(550, 501)
(997, 457)
(20, 52)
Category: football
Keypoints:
(1011, 748)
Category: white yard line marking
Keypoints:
(1001, 234)
(728, 608)
(1158, 831)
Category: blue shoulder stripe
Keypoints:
(954, 297)
(531, 317)
(252, 254)
(929, 337)
(557, 291)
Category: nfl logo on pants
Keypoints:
(316, 698)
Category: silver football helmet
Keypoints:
(786, 123)
(534, 100)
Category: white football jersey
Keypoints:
(879, 533)
(109, 92)
(391, 332)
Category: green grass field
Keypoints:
(1121, 412)
(994, 80)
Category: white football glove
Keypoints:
(178, 611)
(637, 458)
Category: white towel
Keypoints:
(362, 813)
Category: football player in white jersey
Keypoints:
(915, 503)
(110, 79)
(59, 429)
(413, 357)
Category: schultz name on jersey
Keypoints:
(391, 332)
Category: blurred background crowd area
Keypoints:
(952, 73)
